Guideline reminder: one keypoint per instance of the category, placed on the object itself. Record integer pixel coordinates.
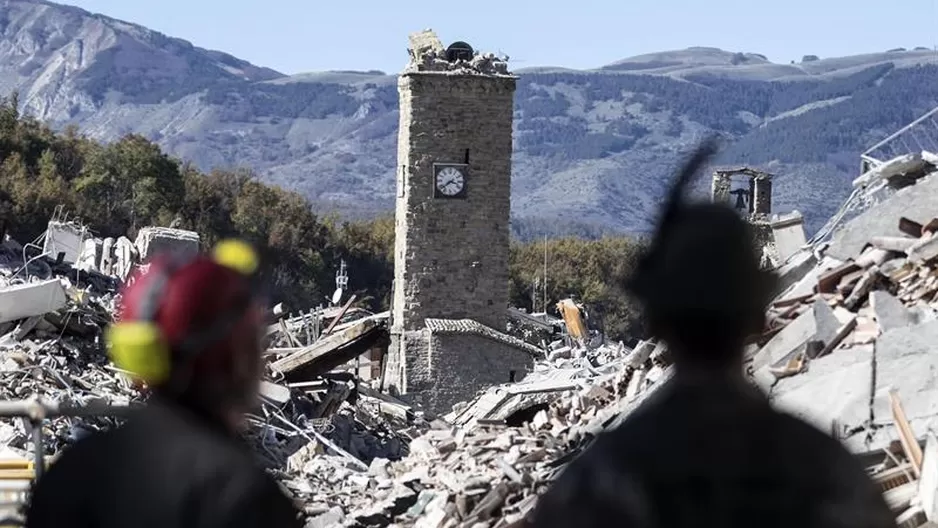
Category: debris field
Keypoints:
(848, 347)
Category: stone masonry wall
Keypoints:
(451, 255)
(407, 351)
(457, 367)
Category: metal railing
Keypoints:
(36, 411)
(919, 135)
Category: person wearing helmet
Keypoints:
(191, 329)
(707, 449)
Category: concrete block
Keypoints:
(907, 360)
(836, 389)
(817, 324)
(889, 312)
(153, 240)
(798, 267)
(35, 298)
(64, 237)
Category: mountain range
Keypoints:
(593, 148)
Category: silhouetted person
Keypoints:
(707, 450)
(192, 329)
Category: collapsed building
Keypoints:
(452, 409)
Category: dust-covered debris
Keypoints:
(427, 54)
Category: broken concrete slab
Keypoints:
(276, 394)
(789, 235)
(90, 255)
(817, 324)
(20, 301)
(795, 269)
(907, 361)
(424, 42)
(889, 312)
(64, 238)
(836, 389)
(897, 166)
(918, 202)
(125, 254)
(153, 240)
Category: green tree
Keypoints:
(134, 181)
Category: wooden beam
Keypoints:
(322, 347)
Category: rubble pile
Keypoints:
(427, 54)
(850, 341)
(56, 298)
(847, 346)
(51, 315)
(485, 463)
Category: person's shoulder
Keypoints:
(842, 485)
(246, 495)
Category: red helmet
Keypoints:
(207, 314)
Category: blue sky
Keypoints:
(295, 36)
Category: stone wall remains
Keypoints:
(455, 367)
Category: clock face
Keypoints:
(450, 181)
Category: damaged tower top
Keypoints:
(746, 189)
(427, 54)
(749, 191)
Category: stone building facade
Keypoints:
(449, 361)
(452, 228)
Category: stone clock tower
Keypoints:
(453, 188)
(452, 222)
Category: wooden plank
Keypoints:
(910, 446)
(792, 300)
(322, 347)
(17, 474)
(341, 313)
(910, 227)
(827, 282)
(930, 227)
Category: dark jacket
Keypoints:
(713, 454)
(166, 467)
